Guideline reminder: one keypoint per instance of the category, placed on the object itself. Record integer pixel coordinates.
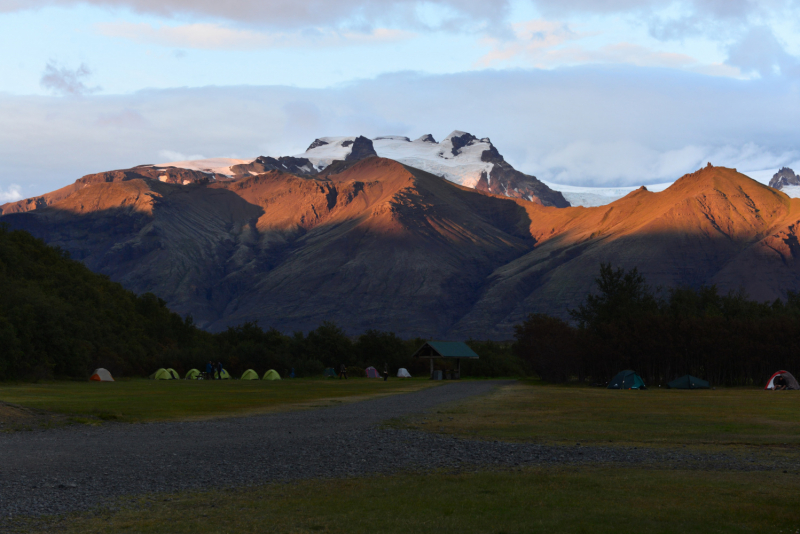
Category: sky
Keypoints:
(579, 92)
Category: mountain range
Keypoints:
(371, 242)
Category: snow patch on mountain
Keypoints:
(598, 196)
(458, 158)
(210, 165)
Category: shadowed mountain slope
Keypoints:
(714, 226)
(382, 245)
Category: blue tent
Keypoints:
(627, 380)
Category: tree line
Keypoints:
(58, 319)
(725, 339)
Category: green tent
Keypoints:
(272, 374)
(249, 375)
(225, 375)
(193, 374)
(161, 374)
(627, 380)
(689, 382)
(173, 373)
(330, 372)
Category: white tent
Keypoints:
(403, 373)
(101, 375)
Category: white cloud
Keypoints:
(171, 155)
(292, 14)
(218, 37)
(11, 194)
(590, 125)
(550, 44)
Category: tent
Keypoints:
(193, 374)
(173, 373)
(225, 375)
(101, 375)
(161, 374)
(272, 374)
(372, 372)
(403, 373)
(249, 375)
(627, 380)
(688, 382)
(791, 382)
(331, 372)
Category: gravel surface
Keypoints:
(77, 468)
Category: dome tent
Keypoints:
(372, 372)
(272, 374)
(161, 374)
(225, 375)
(101, 375)
(627, 380)
(791, 382)
(330, 372)
(403, 373)
(193, 374)
(688, 382)
(249, 375)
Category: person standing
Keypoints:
(342, 372)
(209, 370)
(219, 370)
(385, 371)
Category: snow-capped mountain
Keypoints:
(460, 157)
(457, 158)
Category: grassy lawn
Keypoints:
(566, 415)
(152, 400)
(565, 500)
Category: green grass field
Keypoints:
(657, 417)
(154, 400)
(566, 500)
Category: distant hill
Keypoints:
(382, 245)
(59, 318)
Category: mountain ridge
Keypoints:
(389, 246)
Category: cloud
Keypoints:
(609, 125)
(170, 155)
(717, 9)
(217, 37)
(12, 193)
(292, 14)
(532, 39)
(760, 51)
(127, 118)
(549, 44)
(64, 81)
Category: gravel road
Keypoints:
(76, 468)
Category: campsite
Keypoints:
(475, 436)
(702, 452)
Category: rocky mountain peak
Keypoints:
(362, 148)
(427, 138)
(316, 144)
(783, 178)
